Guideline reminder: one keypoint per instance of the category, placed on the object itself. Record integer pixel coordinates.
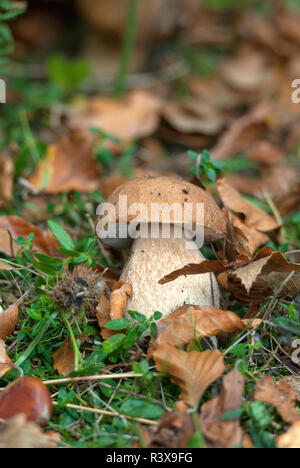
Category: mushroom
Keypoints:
(165, 244)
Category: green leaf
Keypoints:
(61, 235)
(260, 414)
(113, 343)
(205, 157)
(137, 316)
(212, 175)
(233, 414)
(141, 409)
(118, 324)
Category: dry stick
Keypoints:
(93, 378)
(108, 413)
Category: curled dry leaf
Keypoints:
(12, 227)
(217, 432)
(5, 363)
(207, 266)
(242, 133)
(190, 322)
(64, 357)
(112, 305)
(135, 116)
(268, 271)
(192, 371)
(291, 438)
(280, 395)
(68, 165)
(18, 433)
(241, 240)
(254, 217)
(8, 320)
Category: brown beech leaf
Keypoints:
(188, 322)
(174, 431)
(241, 239)
(112, 305)
(268, 271)
(294, 382)
(246, 72)
(9, 319)
(18, 433)
(6, 179)
(276, 181)
(192, 371)
(290, 439)
(193, 116)
(266, 153)
(290, 201)
(12, 227)
(219, 433)
(64, 357)
(280, 395)
(68, 165)
(135, 116)
(242, 133)
(207, 266)
(5, 363)
(254, 217)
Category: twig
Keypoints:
(92, 378)
(107, 413)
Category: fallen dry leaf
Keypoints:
(5, 363)
(112, 305)
(193, 116)
(219, 433)
(241, 240)
(18, 433)
(281, 395)
(254, 217)
(246, 72)
(294, 382)
(192, 371)
(64, 357)
(9, 319)
(12, 227)
(207, 266)
(191, 322)
(268, 271)
(135, 116)
(266, 153)
(174, 431)
(290, 439)
(68, 165)
(276, 181)
(242, 133)
(6, 179)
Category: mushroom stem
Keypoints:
(149, 260)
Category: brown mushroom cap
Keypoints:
(167, 190)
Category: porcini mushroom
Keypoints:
(145, 203)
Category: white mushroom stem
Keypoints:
(150, 260)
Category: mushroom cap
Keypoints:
(163, 190)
